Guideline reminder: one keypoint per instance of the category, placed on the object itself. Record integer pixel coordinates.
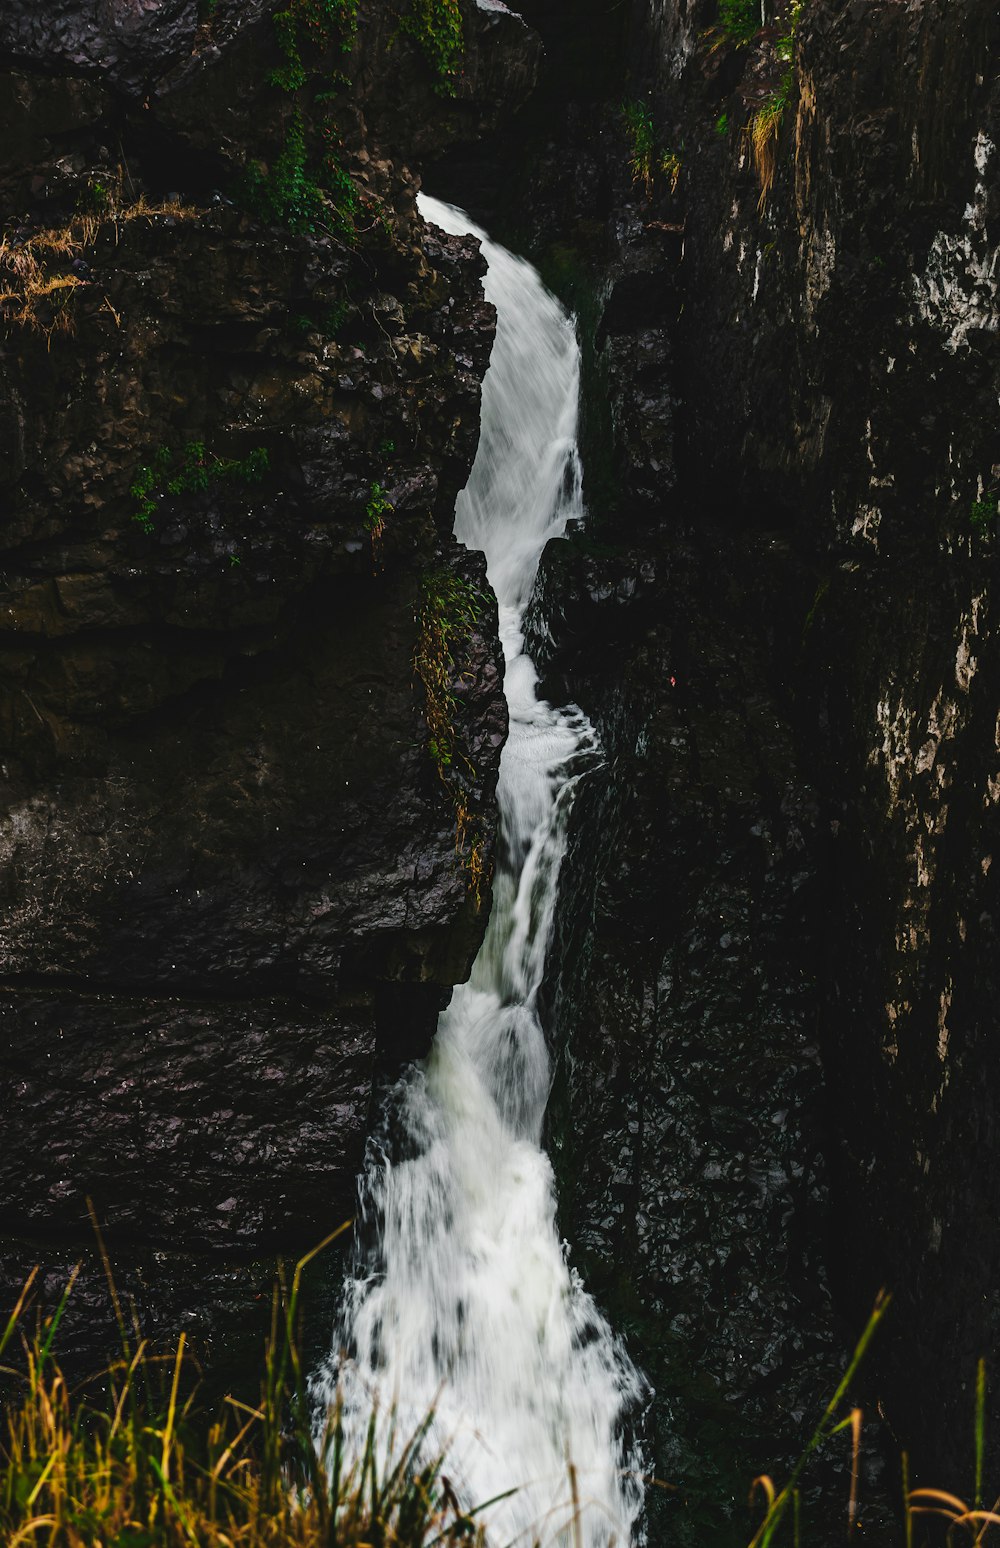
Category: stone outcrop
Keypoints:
(239, 391)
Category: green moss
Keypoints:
(437, 26)
(192, 470)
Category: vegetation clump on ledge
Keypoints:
(192, 470)
(449, 610)
(646, 156)
(42, 272)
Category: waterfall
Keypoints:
(462, 1297)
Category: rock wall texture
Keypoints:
(239, 390)
(781, 615)
(842, 358)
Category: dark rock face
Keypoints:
(230, 457)
(689, 1038)
(842, 352)
(789, 564)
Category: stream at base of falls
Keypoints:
(462, 1298)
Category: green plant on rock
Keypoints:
(763, 131)
(641, 142)
(983, 515)
(338, 184)
(318, 25)
(669, 163)
(764, 127)
(448, 611)
(286, 195)
(378, 507)
(646, 156)
(192, 470)
(308, 188)
(739, 20)
(146, 486)
(329, 321)
(437, 26)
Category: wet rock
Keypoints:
(231, 452)
(826, 377)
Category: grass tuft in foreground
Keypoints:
(131, 1459)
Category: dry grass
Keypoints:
(763, 131)
(130, 1460)
(37, 285)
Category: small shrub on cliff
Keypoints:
(288, 195)
(318, 25)
(740, 20)
(437, 26)
(764, 127)
(378, 507)
(641, 142)
(763, 131)
(285, 195)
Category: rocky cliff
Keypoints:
(240, 387)
(779, 241)
(239, 390)
(840, 351)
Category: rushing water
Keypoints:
(463, 1298)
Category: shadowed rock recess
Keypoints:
(239, 391)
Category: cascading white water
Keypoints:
(465, 1301)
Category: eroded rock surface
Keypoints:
(233, 427)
